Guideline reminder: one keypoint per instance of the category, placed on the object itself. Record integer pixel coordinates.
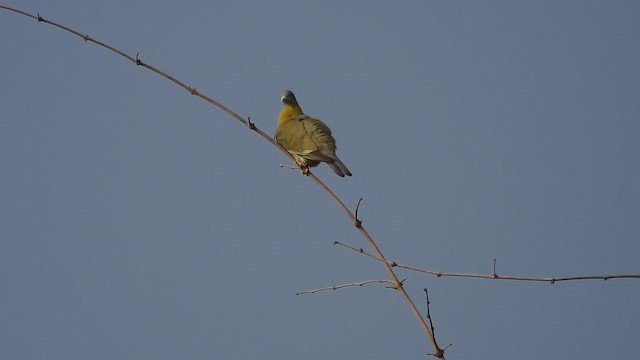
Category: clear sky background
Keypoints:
(139, 222)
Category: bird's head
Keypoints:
(288, 98)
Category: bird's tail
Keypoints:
(338, 167)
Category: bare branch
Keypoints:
(493, 276)
(336, 287)
(396, 284)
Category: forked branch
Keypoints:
(396, 283)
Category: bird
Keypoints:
(307, 139)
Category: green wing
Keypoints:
(308, 138)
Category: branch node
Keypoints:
(397, 286)
(193, 91)
(440, 353)
(40, 18)
(138, 62)
(394, 264)
(86, 37)
(358, 224)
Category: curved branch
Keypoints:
(396, 283)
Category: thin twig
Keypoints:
(493, 276)
(336, 287)
(433, 330)
(426, 293)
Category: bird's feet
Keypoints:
(304, 170)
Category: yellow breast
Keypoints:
(288, 112)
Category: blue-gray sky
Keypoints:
(138, 222)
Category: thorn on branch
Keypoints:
(394, 264)
(86, 38)
(251, 125)
(40, 18)
(495, 275)
(192, 91)
(357, 222)
(138, 62)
